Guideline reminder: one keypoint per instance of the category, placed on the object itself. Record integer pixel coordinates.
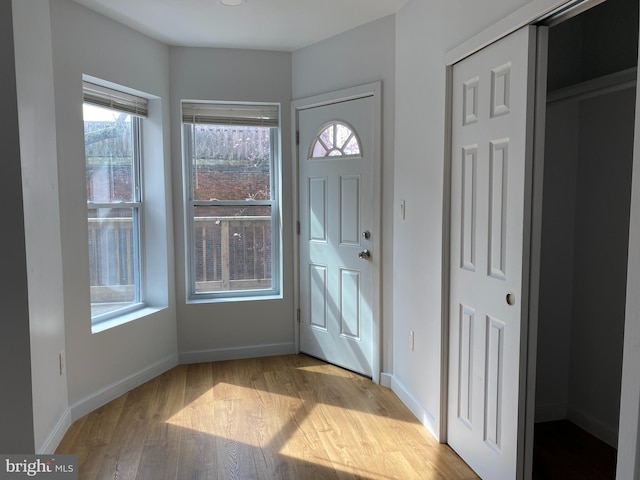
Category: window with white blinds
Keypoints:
(232, 160)
(231, 114)
(113, 156)
(115, 100)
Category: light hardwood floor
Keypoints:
(287, 417)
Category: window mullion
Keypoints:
(231, 203)
(94, 205)
(189, 149)
(137, 158)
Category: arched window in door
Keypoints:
(336, 139)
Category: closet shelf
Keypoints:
(598, 86)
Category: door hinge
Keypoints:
(298, 315)
(297, 137)
(298, 227)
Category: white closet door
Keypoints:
(491, 151)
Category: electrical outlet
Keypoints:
(61, 362)
(411, 340)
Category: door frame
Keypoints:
(373, 90)
(628, 461)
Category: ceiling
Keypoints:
(285, 25)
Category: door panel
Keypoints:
(317, 209)
(491, 135)
(350, 210)
(336, 207)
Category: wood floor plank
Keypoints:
(94, 435)
(290, 435)
(123, 454)
(235, 456)
(288, 417)
(197, 458)
(162, 445)
(264, 429)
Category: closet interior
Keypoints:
(592, 61)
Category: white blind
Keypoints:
(114, 99)
(231, 114)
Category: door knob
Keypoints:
(366, 234)
(365, 254)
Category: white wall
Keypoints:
(562, 134)
(16, 407)
(36, 113)
(556, 269)
(584, 260)
(602, 224)
(103, 365)
(363, 55)
(588, 158)
(232, 329)
(600, 262)
(425, 31)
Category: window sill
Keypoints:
(124, 318)
(248, 298)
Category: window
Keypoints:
(112, 138)
(336, 139)
(231, 157)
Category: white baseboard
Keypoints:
(597, 428)
(113, 391)
(55, 437)
(236, 353)
(386, 379)
(412, 403)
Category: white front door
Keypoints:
(338, 250)
(490, 155)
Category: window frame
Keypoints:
(275, 168)
(137, 207)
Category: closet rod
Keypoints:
(592, 88)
